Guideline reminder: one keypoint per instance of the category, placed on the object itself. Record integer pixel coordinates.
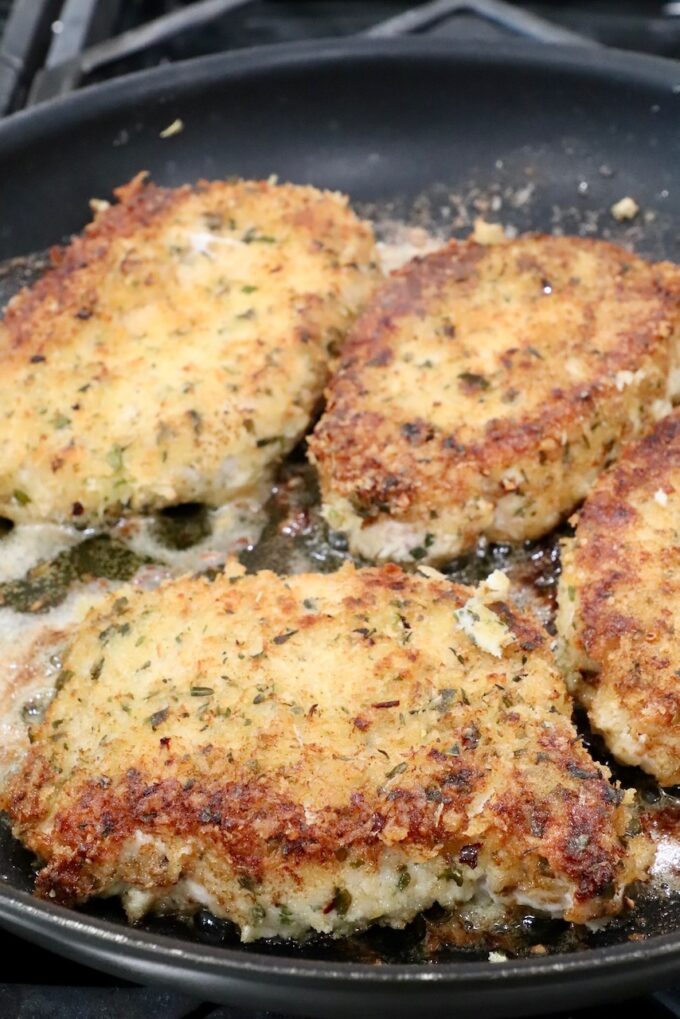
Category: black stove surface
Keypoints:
(49, 47)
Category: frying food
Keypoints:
(318, 752)
(177, 349)
(619, 605)
(484, 387)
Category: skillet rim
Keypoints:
(20, 911)
(52, 116)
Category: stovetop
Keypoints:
(50, 47)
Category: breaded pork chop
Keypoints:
(321, 751)
(619, 604)
(484, 387)
(177, 349)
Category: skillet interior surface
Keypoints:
(537, 138)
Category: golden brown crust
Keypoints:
(65, 289)
(619, 598)
(483, 388)
(277, 738)
(177, 348)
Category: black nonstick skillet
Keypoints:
(544, 138)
